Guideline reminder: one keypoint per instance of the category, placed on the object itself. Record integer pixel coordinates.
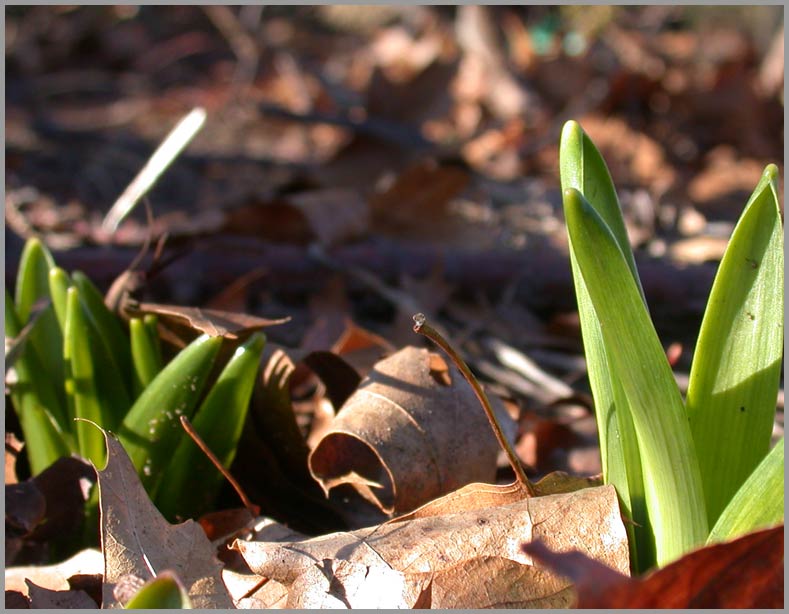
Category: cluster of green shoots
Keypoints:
(698, 470)
(76, 364)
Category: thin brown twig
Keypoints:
(251, 507)
(423, 328)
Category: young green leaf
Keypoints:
(32, 285)
(145, 357)
(151, 430)
(164, 592)
(191, 481)
(106, 349)
(80, 381)
(34, 400)
(672, 482)
(32, 281)
(151, 321)
(108, 326)
(737, 365)
(583, 168)
(758, 504)
(59, 284)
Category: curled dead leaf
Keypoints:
(412, 431)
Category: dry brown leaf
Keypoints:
(743, 573)
(46, 599)
(47, 506)
(408, 554)
(496, 582)
(54, 577)
(478, 496)
(406, 437)
(470, 497)
(335, 215)
(417, 202)
(339, 378)
(274, 419)
(335, 584)
(558, 482)
(213, 322)
(138, 542)
(250, 592)
(360, 347)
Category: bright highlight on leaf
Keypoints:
(582, 167)
(736, 369)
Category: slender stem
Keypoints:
(423, 328)
(251, 507)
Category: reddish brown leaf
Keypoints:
(744, 573)
(220, 524)
(14, 600)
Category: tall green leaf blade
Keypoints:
(59, 284)
(145, 357)
(80, 381)
(151, 430)
(191, 482)
(672, 480)
(110, 352)
(108, 326)
(33, 399)
(583, 168)
(32, 281)
(32, 285)
(758, 504)
(736, 369)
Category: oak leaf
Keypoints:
(139, 543)
(447, 555)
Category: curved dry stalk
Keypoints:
(423, 328)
